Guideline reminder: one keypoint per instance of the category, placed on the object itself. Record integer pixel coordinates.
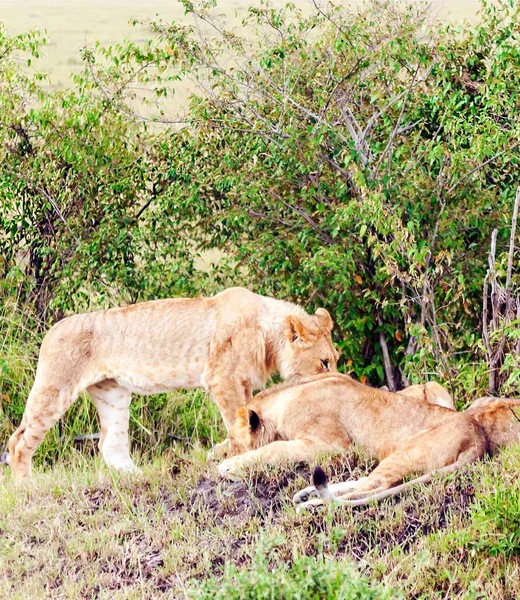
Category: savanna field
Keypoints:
(360, 157)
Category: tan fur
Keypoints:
(230, 344)
(432, 392)
(328, 412)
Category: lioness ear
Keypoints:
(254, 420)
(243, 414)
(324, 319)
(294, 329)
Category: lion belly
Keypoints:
(143, 378)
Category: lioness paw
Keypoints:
(305, 494)
(219, 451)
(229, 468)
(309, 505)
(123, 466)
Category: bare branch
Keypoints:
(386, 356)
(511, 251)
(58, 212)
(493, 279)
(258, 215)
(324, 236)
(389, 146)
(498, 356)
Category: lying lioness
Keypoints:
(328, 412)
(229, 344)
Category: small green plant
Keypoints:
(304, 578)
(496, 520)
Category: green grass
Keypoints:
(303, 577)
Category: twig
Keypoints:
(511, 251)
(518, 319)
(485, 331)
(492, 279)
(258, 215)
(327, 16)
(325, 237)
(386, 356)
(390, 144)
(59, 213)
(478, 167)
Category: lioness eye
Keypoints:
(325, 364)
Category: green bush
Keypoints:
(356, 158)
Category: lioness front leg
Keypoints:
(274, 453)
(236, 359)
(220, 450)
(228, 393)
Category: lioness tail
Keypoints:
(321, 483)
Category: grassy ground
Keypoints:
(81, 532)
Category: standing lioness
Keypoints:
(229, 344)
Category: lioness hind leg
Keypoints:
(45, 405)
(113, 405)
(430, 451)
(441, 449)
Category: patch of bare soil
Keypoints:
(267, 493)
(379, 528)
(256, 497)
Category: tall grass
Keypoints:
(18, 356)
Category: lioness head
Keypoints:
(248, 432)
(309, 349)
